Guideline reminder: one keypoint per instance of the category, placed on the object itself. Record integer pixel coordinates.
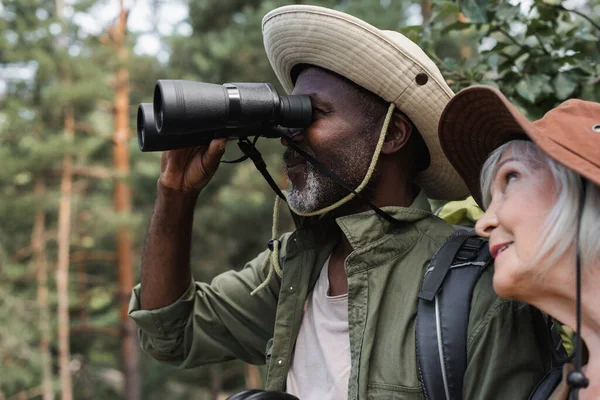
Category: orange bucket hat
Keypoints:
(480, 119)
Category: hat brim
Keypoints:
(385, 63)
(478, 120)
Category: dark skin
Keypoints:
(166, 272)
(335, 111)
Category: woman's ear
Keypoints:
(399, 132)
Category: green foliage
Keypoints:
(538, 56)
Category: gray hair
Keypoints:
(559, 231)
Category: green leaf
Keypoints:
(530, 88)
(474, 10)
(507, 12)
(563, 86)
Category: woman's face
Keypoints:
(523, 194)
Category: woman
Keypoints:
(539, 184)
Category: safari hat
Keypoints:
(480, 119)
(384, 62)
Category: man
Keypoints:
(340, 322)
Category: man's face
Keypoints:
(336, 137)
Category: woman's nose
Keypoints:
(487, 223)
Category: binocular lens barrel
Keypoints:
(150, 140)
(184, 107)
(188, 113)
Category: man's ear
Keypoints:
(399, 132)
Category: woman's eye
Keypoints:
(508, 177)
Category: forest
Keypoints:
(77, 193)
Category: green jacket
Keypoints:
(222, 321)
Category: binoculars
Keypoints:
(188, 114)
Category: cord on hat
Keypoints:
(370, 171)
(273, 256)
(576, 379)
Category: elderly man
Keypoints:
(340, 321)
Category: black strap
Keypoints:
(245, 156)
(443, 315)
(250, 151)
(552, 379)
(548, 384)
(440, 265)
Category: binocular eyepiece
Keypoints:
(188, 113)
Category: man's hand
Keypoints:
(166, 272)
(190, 170)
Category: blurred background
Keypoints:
(76, 194)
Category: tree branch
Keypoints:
(582, 15)
(542, 45)
(95, 330)
(27, 394)
(512, 39)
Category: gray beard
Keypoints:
(320, 191)
(307, 199)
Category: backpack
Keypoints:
(443, 316)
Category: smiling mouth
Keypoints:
(497, 250)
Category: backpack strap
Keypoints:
(443, 315)
(552, 379)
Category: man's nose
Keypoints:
(487, 223)
(297, 136)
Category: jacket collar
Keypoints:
(366, 227)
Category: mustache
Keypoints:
(290, 154)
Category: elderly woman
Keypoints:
(539, 184)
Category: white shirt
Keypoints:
(321, 365)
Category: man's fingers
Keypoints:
(213, 154)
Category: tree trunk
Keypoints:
(216, 381)
(38, 244)
(426, 10)
(252, 375)
(62, 269)
(122, 201)
(64, 233)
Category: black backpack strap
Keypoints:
(552, 379)
(443, 315)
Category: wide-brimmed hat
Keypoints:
(384, 62)
(480, 119)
